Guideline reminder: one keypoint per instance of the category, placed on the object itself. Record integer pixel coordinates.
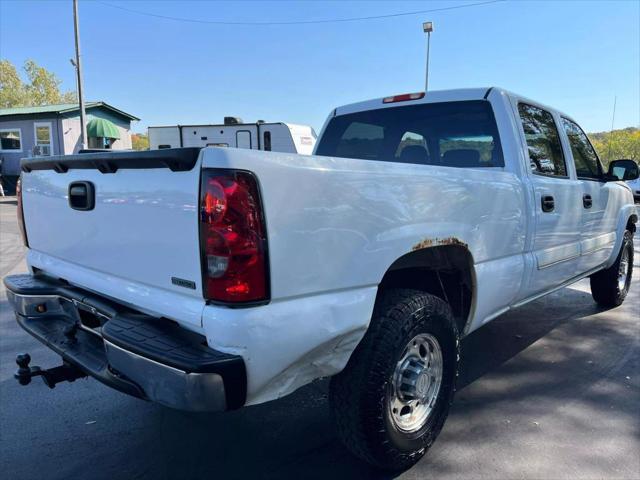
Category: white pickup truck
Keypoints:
(214, 278)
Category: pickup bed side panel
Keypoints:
(335, 225)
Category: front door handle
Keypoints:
(587, 201)
(548, 203)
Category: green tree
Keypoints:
(139, 141)
(41, 88)
(12, 91)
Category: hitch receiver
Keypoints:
(50, 377)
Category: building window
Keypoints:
(11, 140)
(43, 139)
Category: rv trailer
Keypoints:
(277, 136)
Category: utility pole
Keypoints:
(78, 65)
(427, 27)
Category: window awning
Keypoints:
(101, 127)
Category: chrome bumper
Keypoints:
(167, 385)
(107, 352)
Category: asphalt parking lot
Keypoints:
(548, 391)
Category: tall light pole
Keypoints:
(78, 65)
(427, 27)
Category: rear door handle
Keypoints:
(587, 202)
(548, 203)
(82, 195)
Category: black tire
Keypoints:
(358, 395)
(605, 288)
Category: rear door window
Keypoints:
(453, 134)
(543, 141)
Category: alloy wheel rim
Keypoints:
(623, 270)
(416, 383)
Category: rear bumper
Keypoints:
(149, 358)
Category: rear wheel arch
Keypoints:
(446, 271)
(364, 396)
(631, 222)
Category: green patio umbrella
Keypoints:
(101, 127)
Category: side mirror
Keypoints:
(623, 170)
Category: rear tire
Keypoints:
(409, 354)
(609, 287)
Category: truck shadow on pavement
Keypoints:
(294, 437)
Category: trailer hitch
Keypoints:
(51, 376)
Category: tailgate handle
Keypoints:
(82, 195)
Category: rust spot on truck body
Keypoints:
(433, 242)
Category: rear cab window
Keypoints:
(587, 163)
(459, 134)
(543, 141)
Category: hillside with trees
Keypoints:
(623, 143)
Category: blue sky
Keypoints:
(573, 55)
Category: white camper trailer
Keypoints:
(278, 137)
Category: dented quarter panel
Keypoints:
(288, 343)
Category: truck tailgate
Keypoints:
(139, 242)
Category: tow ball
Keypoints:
(51, 376)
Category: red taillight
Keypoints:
(403, 98)
(232, 237)
(20, 212)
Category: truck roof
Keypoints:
(435, 96)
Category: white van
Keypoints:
(277, 137)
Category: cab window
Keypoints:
(460, 134)
(543, 141)
(584, 156)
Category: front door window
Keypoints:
(584, 156)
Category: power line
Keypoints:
(299, 22)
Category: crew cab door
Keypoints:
(557, 202)
(598, 221)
